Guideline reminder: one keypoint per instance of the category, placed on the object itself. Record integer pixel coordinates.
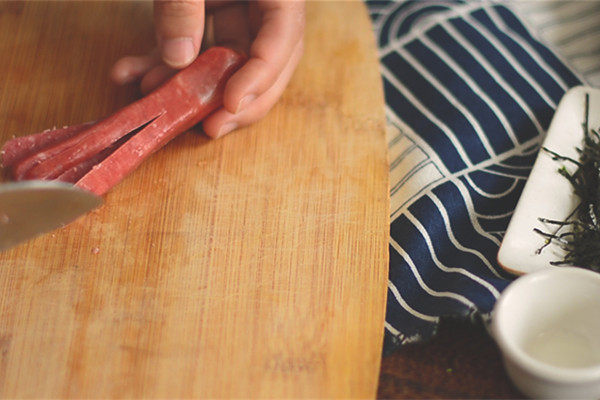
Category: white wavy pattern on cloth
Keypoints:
(571, 28)
(469, 94)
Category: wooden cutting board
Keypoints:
(252, 266)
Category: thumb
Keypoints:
(179, 27)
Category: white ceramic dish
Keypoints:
(548, 194)
(546, 324)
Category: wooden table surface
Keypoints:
(460, 362)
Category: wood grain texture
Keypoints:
(252, 266)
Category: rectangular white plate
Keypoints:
(548, 194)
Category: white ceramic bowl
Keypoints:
(547, 325)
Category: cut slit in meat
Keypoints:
(52, 161)
(18, 148)
(96, 156)
(77, 172)
(75, 152)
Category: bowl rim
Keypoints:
(516, 354)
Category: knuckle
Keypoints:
(258, 111)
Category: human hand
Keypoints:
(270, 32)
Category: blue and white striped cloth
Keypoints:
(469, 94)
(571, 28)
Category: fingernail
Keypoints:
(225, 129)
(244, 102)
(178, 52)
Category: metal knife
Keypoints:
(30, 208)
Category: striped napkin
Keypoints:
(571, 28)
(470, 91)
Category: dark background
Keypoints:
(461, 361)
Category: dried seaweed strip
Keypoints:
(582, 242)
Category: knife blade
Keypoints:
(30, 208)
